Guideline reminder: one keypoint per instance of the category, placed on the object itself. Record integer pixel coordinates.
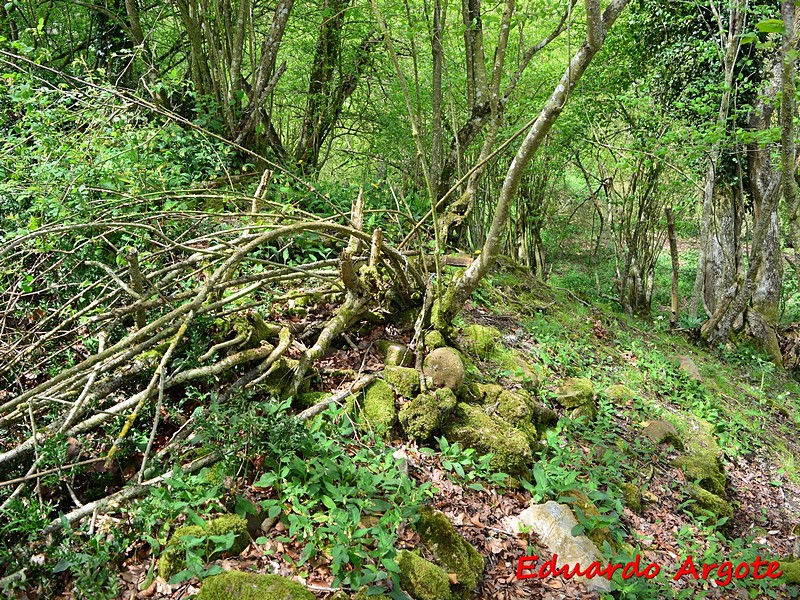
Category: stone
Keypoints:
(402, 460)
(632, 495)
(427, 413)
(662, 432)
(434, 339)
(421, 578)
(479, 340)
(522, 373)
(708, 504)
(619, 394)
(576, 392)
(173, 558)
(404, 380)
(473, 428)
(451, 550)
(705, 469)
(687, 365)
(553, 524)
(379, 410)
(791, 571)
(445, 368)
(395, 353)
(238, 585)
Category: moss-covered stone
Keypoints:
(687, 365)
(404, 380)
(422, 579)
(479, 340)
(427, 413)
(309, 399)
(577, 499)
(522, 372)
(708, 504)
(282, 372)
(576, 392)
(705, 469)
(632, 495)
(237, 585)
(445, 368)
(791, 571)
(619, 394)
(395, 353)
(488, 393)
(363, 594)
(451, 550)
(473, 428)
(173, 558)
(379, 410)
(434, 339)
(663, 432)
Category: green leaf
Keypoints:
(770, 26)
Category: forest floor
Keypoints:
(753, 410)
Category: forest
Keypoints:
(408, 299)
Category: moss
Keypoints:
(362, 594)
(478, 340)
(791, 570)
(708, 504)
(395, 353)
(619, 394)
(426, 414)
(404, 380)
(379, 410)
(514, 407)
(473, 428)
(445, 368)
(309, 399)
(488, 392)
(663, 432)
(696, 433)
(173, 559)
(574, 393)
(451, 550)
(434, 339)
(579, 500)
(705, 469)
(421, 578)
(237, 585)
(632, 496)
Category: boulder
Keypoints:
(479, 340)
(451, 550)
(395, 353)
(619, 394)
(434, 339)
(473, 428)
(427, 413)
(791, 571)
(404, 380)
(707, 504)
(238, 585)
(687, 365)
(662, 432)
(553, 524)
(379, 410)
(577, 395)
(173, 558)
(445, 368)
(422, 579)
(632, 495)
(705, 469)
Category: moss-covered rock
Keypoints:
(404, 380)
(173, 558)
(445, 368)
(707, 504)
(663, 432)
(619, 394)
(395, 353)
(705, 469)
(473, 428)
(578, 500)
(434, 339)
(687, 366)
(379, 410)
(237, 585)
(422, 579)
(488, 393)
(363, 594)
(479, 340)
(576, 392)
(427, 413)
(309, 399)
(451, 550)
(791, 571)
(632, 495)
(522, 372)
